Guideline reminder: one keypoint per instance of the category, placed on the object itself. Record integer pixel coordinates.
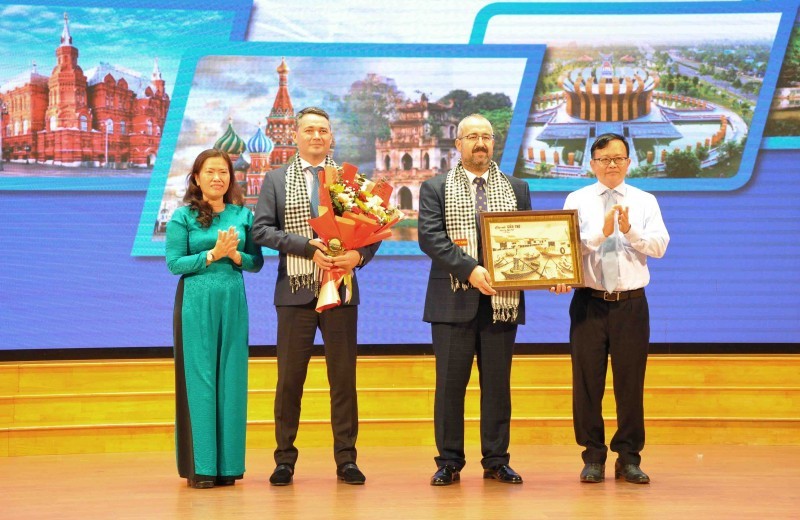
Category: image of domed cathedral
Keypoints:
(251, 159)
(625, 95)
(264, 150)
(420, 145)
(376, 127)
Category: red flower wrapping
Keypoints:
(361, 215)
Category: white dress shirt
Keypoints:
(473, 188)
(309, 176)
(647, 237)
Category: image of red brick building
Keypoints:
(108, 116)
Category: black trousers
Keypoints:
(297, 326)
(455, 345)
(621, 331)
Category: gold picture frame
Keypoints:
(534, 249)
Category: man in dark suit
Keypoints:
(466, 314)
(281, 223)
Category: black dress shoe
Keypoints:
(593, 472)
(282, 476)
(350, 474)
(226, 480)
(503, 473)
(631, 472)
(200, 482)
(445, 476)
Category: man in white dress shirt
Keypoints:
(620, 227)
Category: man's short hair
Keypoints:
(312, 110)
(603, 140)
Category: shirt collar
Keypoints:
(305, 164)
(471, 176)
(601, 188)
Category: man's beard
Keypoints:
(482, 164)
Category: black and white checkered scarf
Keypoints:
(459, 215)
(302, 271)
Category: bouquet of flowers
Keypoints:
(353, 212)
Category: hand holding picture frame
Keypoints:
(528, 250)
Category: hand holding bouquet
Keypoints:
(354, 212)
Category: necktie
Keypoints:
(314, 198)
(481, 203)
(609, 261)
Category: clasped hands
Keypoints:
(227, 245)
(620, 214)
(346, 261)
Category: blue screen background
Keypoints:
(68, 278)
(729, 276)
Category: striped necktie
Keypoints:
(314, 198)
(609, 260)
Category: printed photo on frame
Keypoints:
(528, 250)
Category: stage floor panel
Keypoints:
(687, 482)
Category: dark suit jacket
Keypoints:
(269, 230)
(442, 305)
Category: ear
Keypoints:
(458, 145)
(294, 136)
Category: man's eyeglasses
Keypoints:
(474, 137)
(606, 161)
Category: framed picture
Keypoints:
(532, 249)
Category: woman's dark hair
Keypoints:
(194, 196)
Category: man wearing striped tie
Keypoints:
(620, 227)
(289, 197)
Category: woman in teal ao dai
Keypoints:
(209, 245)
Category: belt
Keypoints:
(617, 296)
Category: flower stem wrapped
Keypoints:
(354, 212)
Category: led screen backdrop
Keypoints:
(394, 113)
(783, 124)
(90, 174)
(691, 98)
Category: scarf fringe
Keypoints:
(500, 311)
(460, 223)
(307, 280)
(504, 313)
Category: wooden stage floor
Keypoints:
(689, 482)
